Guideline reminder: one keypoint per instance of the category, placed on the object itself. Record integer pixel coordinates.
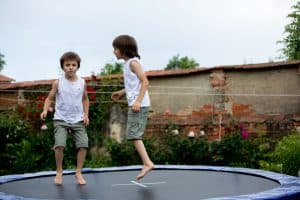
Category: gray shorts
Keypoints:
(136, 123)
(77, 130)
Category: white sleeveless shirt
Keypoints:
(133, 85)
(68, 103)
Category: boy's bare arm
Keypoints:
(117, 95)
(86, 106)
(49, 100)
(137, 69)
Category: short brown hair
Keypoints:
(127, 45)
(70, 56)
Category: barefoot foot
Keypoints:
(58, 178)
(80, 179)
(146, 168)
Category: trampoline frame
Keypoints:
(289, 185)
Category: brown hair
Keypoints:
(70, 56)
(127, 46)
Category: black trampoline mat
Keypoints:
(157, 185)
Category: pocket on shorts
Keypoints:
(136, 123)
(134, 127)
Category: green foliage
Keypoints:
(270, 166)
(159, 149)
(188, 150)
(287, 153)
(291, 41)
(122, 154)
(178, 62)
(98, 157)
(34, 152)
(234, 150)
(227, 150)
(12, 130)
(2, 62)
(100, 107)
(115, 68)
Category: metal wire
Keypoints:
(40, 101)
(176, 93)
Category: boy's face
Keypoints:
(117, 53)
(70, 67)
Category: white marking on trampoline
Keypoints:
(139, 184)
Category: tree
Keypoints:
(291, 41)
(115, 68)
(2, 62)
(185, 62)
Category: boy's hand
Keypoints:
(115, 96)
(136, 106)
(86, 120)
(44, 115)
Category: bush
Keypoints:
(228, 150)
(122, 154)
(287, 153)
(188, 150)
(34, 153)
(12, 130)
(234, 150)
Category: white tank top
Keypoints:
(68, 103)
(133, 85)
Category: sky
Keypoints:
(35, 33)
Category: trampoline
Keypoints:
(166, 182)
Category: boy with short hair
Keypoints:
(71, 114)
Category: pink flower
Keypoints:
(245, 134)
(44, 127)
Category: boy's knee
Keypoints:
(59, 148)
(82, 149)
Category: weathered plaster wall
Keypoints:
(263, 91)
(180, 94)
(266, 91)
(261, 99)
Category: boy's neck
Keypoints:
(71, 78)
